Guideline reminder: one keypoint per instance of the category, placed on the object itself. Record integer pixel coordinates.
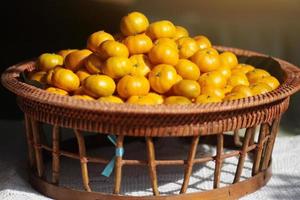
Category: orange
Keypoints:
(207, 60)
(256, 74)
(166, 41)
(244, 68)
(214, 79)
(142, 100)
(180, 32)
(76, 59)
(260, 88)
(158, 99)
(213, 91)
(134, 23)
(225, 71)
(99, 85)
(119, 37)
(65, 79)
(187, 88)
(50, 74)
(38, 76)
(117, 67)
(97, 38)
(162, 77)
(170, 92)
(48, 61)
(161, 29)
(178, 78)
(112, 48)
(233, 96)
(227, 89)
(138, 44)
(202, 41)
(187, 47)
(238, 79)
(163, 54)
(133, 86)
(270, 80)
(141, 65)
(86, 97)
(240, 65)
(56, 91)
(243, 89)
(111, 99)
(82, 74)
(228, 59)
(187, 69)
(66, 52)
(204, 98)
(177, 100)
(79, 91)
(209, 50)
(93, 64)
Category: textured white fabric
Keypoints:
(284, 185)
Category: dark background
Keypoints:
(32, 27)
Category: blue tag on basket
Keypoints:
(118, 153)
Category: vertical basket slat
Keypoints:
(242, 157)
(189, 164)
(219, 160)
(83, 160)
(160, 121)
(37, 147)
(270, 143)
(236, 137)
(55, 155)
(252, 138)
(29, 138)
(259, 148)
(152, 165)
(118, 166)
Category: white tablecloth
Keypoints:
(284, 185)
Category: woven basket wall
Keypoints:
(217, 124)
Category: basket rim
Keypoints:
(289, 86)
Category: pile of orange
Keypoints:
(150, 64)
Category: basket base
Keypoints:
(233, 191)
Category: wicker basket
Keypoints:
(216, 123)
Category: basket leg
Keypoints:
(240, 166)
(236, 137)
(189, 164)
(152, 165)
(219, 160)
(259, 148)
(29, 138)
(118, 166)
(37, 147)
(251, 142)
(83, 160)
(270, 143)
(55, 155)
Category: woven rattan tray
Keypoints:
(207, 121)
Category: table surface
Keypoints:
(284, 185)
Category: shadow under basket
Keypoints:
(158, 140)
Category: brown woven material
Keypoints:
(235, 190)
(157, 120)
(232, 192)
(203, 122)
